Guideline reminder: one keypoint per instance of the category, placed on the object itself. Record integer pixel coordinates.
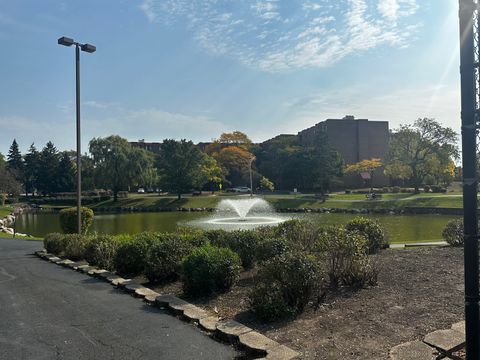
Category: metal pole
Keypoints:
(251, 180)
(79, 153)
(470, 182)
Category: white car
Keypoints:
(141, 191)
(241, 189)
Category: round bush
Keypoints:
(164, 257)
(372, 231)
(210, 269)
(101, 250)
(68, 220)
(130, 257)
(269, 248)
(299, 233)
(54, 243)
(75, 246)
(453, 233)
(286, 284)
(268, 304)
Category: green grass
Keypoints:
(5, 210)
(8, 236)
(343, 201)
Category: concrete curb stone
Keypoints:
(230, 330)
(194, 313)
(209, 323)
(144, 291)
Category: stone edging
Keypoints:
(230, 331)
(440, 344)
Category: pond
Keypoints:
(399, 228)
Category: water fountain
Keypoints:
(243, 213)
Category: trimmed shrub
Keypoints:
(244, 243)
(299, 233)
(372, 231)
(217, 237)
(269, 248)
(345, 258)
(453, 232)
(75, 246)
(164, 257)
(130, 256)
(396, 189)
(426, 188)
(210, 269)
(286, 284)
(68, 220)
(54, 243)
(268, 304)
(101, 250)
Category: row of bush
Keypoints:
(296, 260)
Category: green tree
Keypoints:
(32, 169)
(15, 162)
(210, 173)
(266, 184)
(179, 166)
(8, 183)
(49, 161)
(117, 164)
(65, 173)
(417, 146)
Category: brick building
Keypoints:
(355, 140)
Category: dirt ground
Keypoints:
(419, 291)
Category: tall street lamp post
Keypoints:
(251, 177)
(65, 41)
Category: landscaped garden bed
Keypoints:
(328, 293)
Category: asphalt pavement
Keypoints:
(49, 312)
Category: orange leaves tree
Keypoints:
(365, 166)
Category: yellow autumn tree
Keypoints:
(365, 166)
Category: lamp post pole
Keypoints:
(90, 49)
(79, 150)
(251, 177)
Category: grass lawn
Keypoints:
(8, 236)
(5, 210)
(282, 201)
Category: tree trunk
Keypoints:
(179, 196)
(115, 195)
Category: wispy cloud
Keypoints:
(280, 35)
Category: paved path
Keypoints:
(48, 312)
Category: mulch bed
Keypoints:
(419, 291)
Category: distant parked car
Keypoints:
(241, 189)
(141, 191)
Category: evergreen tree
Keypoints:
(49, 163)
(15, 162)
(32, 166)
(65, 180)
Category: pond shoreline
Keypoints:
(359, 211)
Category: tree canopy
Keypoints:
(422, 148)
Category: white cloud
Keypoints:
(280, 35)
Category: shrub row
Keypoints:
(296, 260)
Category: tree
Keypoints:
(8, 183)
(49, 160)
(32, 169)
(210, 172)
(232, 151)
(179, 166)
(117, 164)
(365, 166)
(266, 184)
(15, 162)
(416, 146)
(65, 174)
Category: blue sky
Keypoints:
(195, 68)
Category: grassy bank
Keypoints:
(343, 201)
(5, 210)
